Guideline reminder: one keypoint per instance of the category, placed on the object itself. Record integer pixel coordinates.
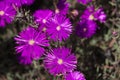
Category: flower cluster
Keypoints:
(31, 42)
(57, 26)
(53, 26)
(94, 14)
(87, 25)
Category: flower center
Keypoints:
(57, 11)
(60, 61)
(84, 29)
(44, 21)
(58, 28)
(31, 42)
(2, 13)
(91, 17)
(44, 29)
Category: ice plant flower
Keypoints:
(42, 16)
(31, 44)
(19, 3)
(86, 28)
(89, 13)
(59, 28)
(100, 15)
(75, 76)
(94, 14)
(84, 1)
(7, 13)
(60, 61)
(62, 7)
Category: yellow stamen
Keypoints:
(60, 61)
(2, 13)
(91, 17)
(57, 11)
(84, 29)
(31, 42)
(58, 28)
(44, 29)
(44, 21)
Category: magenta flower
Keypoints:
(19, 3)
(42, 16)
(75, 76)
(62, 7)
(89, 13)
(84, 1)
(31, 44)
(7, 13)
(94, 14)
(86, 28)
(59, 28)
(100, 15)
(60, 61)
